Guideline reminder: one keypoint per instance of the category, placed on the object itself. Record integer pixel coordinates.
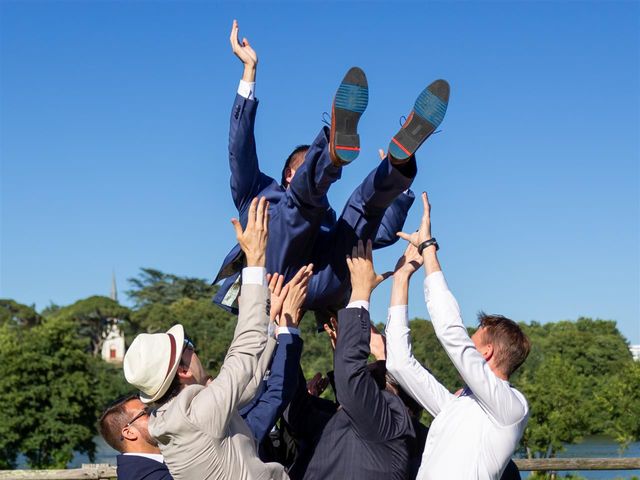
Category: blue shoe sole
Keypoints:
(428, 112)
(351, 100)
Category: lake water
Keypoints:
(592, 447)
(600, 447)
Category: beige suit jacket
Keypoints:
(200, 432)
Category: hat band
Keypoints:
(172, 357)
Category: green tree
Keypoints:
(52, 391)
(156, 287)
(18, 315)
(91, 316)
(554, 391)
(619, 399)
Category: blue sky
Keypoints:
(114, 123)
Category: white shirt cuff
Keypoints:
(254, 276)
(247, 90)
(287, 330)
(359, 303)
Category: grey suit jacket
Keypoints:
(200, 432)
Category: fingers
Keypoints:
(233, 37)
(425, 204)
(334, 323)
(369, 251)
(266, 216)
(361, 251)
(252, 213)
(382, 154)
(259, 212)
(237, 227)
(279, 283)
(404, 236)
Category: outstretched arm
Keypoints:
(357, 391)
(213, 406)
(412, 377)
(494, 394)
(280, 386)
(246, 179)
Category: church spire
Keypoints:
(114, 289)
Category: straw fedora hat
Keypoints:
(152, 361)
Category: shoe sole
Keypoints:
(349, 103)
(428, 112)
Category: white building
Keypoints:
(635, 352)
(113, 343)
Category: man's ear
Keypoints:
(487, 351)
(184, 372)
(129, 433)
(288, 174)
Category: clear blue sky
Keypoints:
(114, 124)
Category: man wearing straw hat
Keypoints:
(196, 422)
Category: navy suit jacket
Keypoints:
(264, 410)
(134, 467)
(368, 437)
(247, 182)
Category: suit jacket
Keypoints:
(276, 392)
(368, 437)
(134, 467)
(247, 182)
(200, 432)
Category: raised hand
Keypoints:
(295, 297)
(424, 232)
(331, 330)
(363, 277)
(317, 385)
(253, 239)
(409, 262)
(244, 52)
(278, 294)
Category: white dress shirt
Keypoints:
(472, 435)
(152, 456)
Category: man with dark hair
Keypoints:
(305, 228)
(124, 427)
(370, 435)
(475, 431)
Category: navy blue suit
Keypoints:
(264, 410)
(369, 437)
(134, 467)
(303, 227)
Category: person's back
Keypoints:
(343, 452)
(192, 454)
(464, 423)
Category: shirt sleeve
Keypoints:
(414, 379)
(359, 304)
(494, 395)
(254, 276)
(247, 90)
